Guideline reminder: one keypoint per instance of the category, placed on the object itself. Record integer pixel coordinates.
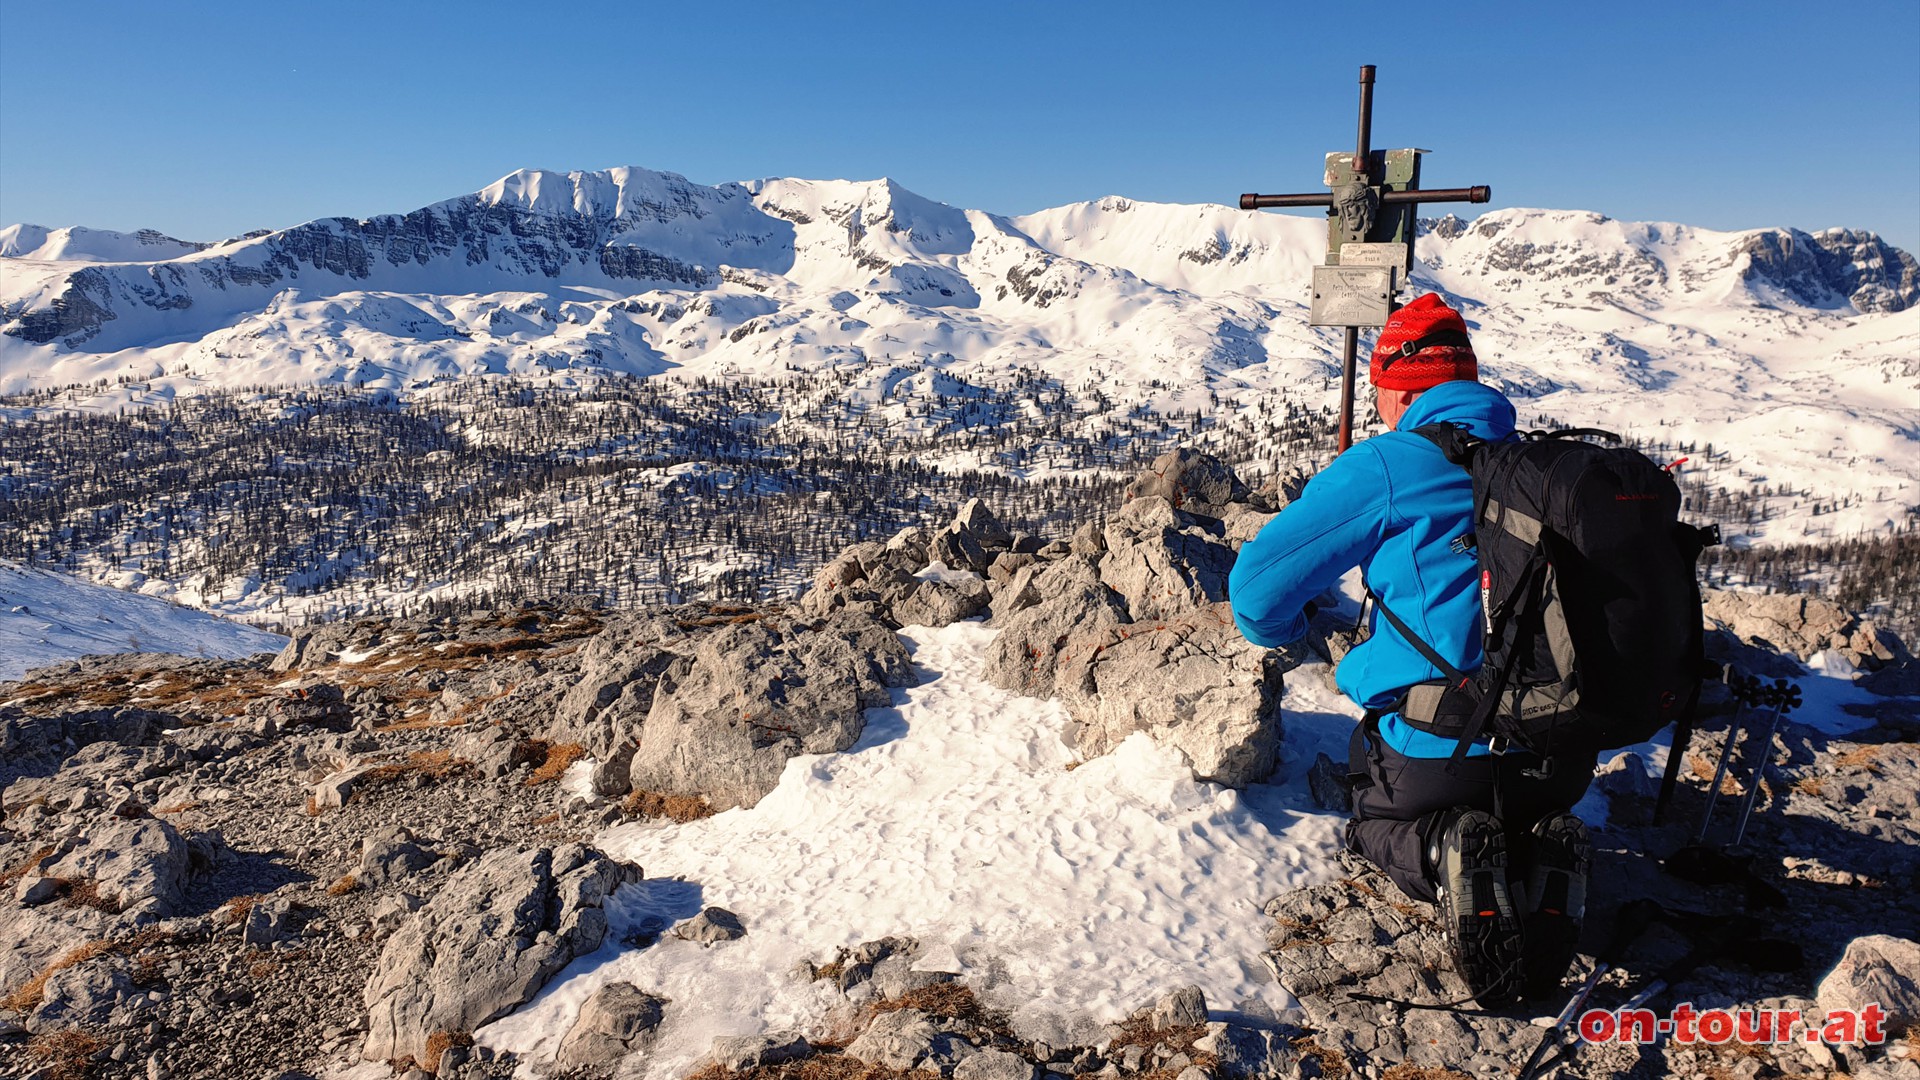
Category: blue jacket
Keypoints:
(1392, 505)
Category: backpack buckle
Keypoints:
(1499, 745)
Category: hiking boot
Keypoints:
(1556, 900)
(1468, 862)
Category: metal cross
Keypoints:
(1370, 225)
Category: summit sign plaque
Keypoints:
(1351, 296)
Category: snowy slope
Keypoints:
(47, 617)
(77, 244)
(1796, 355)
(1072, 895)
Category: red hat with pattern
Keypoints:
(1423, 345)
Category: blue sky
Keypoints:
(208, 119)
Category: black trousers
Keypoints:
(1398, 800)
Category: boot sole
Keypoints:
(1485, 930)
(1557, 892)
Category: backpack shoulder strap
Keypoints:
(1453, 440)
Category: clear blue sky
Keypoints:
(207, 119)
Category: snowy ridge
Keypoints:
(1793, 353)
(46, 618)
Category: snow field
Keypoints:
(46, 618)
(1067, 893)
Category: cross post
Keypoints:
(1370, 201)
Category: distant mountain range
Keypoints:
(1800, 351)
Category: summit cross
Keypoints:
(1370, 205)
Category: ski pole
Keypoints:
(1784, 697)
(1633, 919)
(1745, 688)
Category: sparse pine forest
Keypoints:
(292, 506)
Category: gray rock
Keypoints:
(34, 890)
(739, 1052)
(994, 1065)
(1327, 784)
(616, 1020)
(487, 942)
(1072, 614)
(941, 602)
(82, 995)
(1162, 562)
(895, 1040)
(1625, 776)
(613, 692)
(142, 866)
(333, 790)
(390, 854)
(713, 925)
(390, 911)
(1802, 625)
(1879, 968)
(725, 721)
(1185, 1007)
(320, 705)
(268, 922)
(1193, 684)
(1189, 480)
(959, 550)
(976, 519)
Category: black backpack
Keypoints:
(1590, 608)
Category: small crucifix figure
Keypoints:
(1370, 205)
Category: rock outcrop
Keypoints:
(487, 942)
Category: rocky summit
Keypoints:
(350, 858)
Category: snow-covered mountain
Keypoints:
(1799, 352)
(47, 617)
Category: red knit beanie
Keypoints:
(1423, 344)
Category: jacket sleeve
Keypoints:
(1334, 524)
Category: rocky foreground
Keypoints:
(355, 853)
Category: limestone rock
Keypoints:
(1072, 612)
(1193, 684)
(737, 1053)
(1879, 968)
(726, 719)
(1185, 1007)
(1190, 480)
(487, 942)
(713, 925)
(938, 602)
(617, 1019)
(140, 866)
(895, 1040)
(1802, 625)
(1162, 562)
(994, 1065)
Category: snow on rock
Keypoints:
(1069, 892)
(46, 618)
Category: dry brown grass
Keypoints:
(236, 910)
(433, 765)
(1423, 1072)
(1704, 769)
(68, 1055)
(1808, 785)
(27, 995)
(439, 1043)
(85, 892)
(1333, 1064)
(949, 1000)
(653, 804)
(179, 807)
(559, 758)
(313, 807)
(1367, 890)
(20, 869)
(345, 885)
(1862, 757)
(548, 819)
(822, 1065)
